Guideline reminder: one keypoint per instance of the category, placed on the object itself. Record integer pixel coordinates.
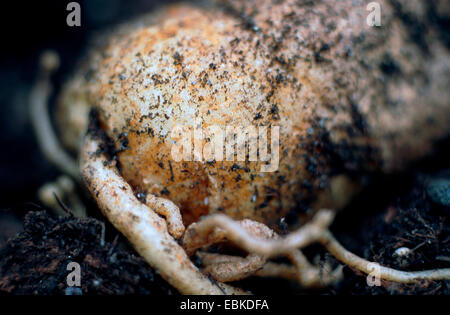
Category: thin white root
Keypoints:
(274, 270)
(40, 120)
(143, 228)
(231, 268)
(64, 188)
(169, 211)
(384, 273)
(230, 290)
(225, 268)
(310, 276)
(316, 231)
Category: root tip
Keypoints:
(49, 61)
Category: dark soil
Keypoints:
(35, 261)
(412, 220)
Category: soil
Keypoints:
(36, 260)
(412, 220)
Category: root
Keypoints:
(226, 268)
(204, 232)
(306, 275)
(170, 212)
(384, 273)
(310, 276)
(231, 268)
(63, 188)
(274, 270)
(47, 140)
(145, 229)
(316, 231)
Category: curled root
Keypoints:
(143, 227)
(204, 232)
(170, 212)
(218, 227)
(226, 268)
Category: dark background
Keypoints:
(26, 29)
